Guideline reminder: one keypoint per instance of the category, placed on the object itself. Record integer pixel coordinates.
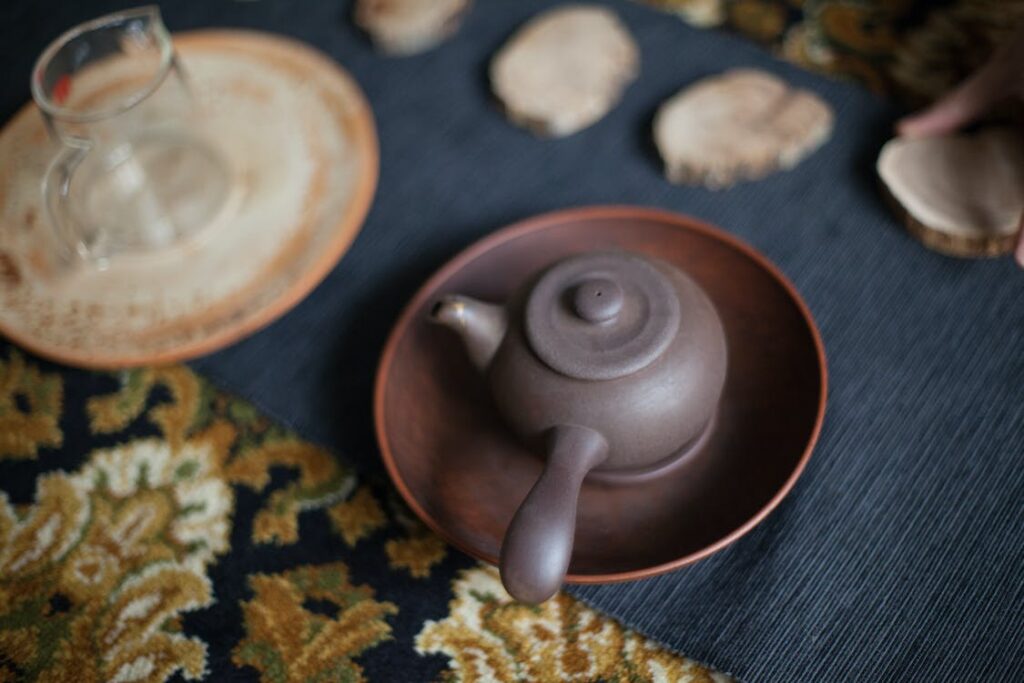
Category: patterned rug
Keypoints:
(912, 49)
(153, 528)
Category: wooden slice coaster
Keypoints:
(961, 195)
(405, 27)
(299, 138)
(565, 69)
(740, 125)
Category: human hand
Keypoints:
(1001, 78)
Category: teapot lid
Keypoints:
(601, 315)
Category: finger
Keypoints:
(1020, 243)
(964, 104)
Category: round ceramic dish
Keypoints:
(462, 473)
(299, 137)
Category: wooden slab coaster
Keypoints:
(299, 139)
(740, 125)
(564, 69)
(405, 27)
(961, 195)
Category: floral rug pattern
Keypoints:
(193, 509)
(912, 49)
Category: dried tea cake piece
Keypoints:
(740, 125)
(564, 69)
(959, 194)
(404, 27)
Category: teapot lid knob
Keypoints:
(597, 300)
(601, 315)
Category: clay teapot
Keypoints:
(607, 361)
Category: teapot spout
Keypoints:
(481, 325)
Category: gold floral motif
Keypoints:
(30, 408)
(114, 412)
(802, 45)
(951, 44)
(44, 533)
(417, 553)
(419, 549)
(249, 444)
(288, 643)
(852, 39)
(865, 28)
(322, 481)
(132, 630)
(94, 574)
(762, 20)
(490, 637)
(898, 47)
(357, 517)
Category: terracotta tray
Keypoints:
(300, 137)
(459, 470)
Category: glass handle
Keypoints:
(56, 191)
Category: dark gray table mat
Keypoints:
(899, 554)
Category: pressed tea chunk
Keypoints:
(740, 125)
(564, 69)
(959, 194)
(405, 27)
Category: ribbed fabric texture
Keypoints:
(898, 556)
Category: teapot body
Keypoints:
(645, 416)
(606, 361)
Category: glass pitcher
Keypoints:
(134, 173)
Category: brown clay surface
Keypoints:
(457, 467)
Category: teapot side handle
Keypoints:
(538, 543)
